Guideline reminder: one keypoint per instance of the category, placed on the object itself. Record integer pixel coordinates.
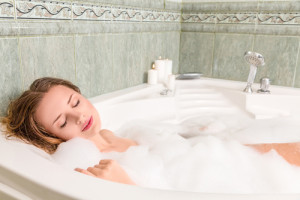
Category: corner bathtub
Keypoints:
(28, 173)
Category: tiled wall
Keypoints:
(215, 35)
(105, 45)
(101, 46)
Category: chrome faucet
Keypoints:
(255, 60)
(264, 85)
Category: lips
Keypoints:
(88, 124)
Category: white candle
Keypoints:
(171, 82)
(160, 66)
(152, 76)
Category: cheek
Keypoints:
(66, 133)
(96, 116)
(59, 134)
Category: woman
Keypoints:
(53, 111)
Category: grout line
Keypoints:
(253, 42)
(113, 62)
(212, 57)
(90, 91)
(21, 67)
(295, 71)
(179, 53)
(15, 10)
(75, 61)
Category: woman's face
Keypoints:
(66, 114)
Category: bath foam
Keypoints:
(209, 159)
(77, 152)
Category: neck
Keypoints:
(100, 142)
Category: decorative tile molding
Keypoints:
(279, 18)
(125, 14)
(90, 12)
(241, 6)
(227, 18)
(58, 10)
(243, 18)
(6, 9)
(128, 14)
(43, 10)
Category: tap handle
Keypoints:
(264, 83)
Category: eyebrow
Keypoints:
(60, 114)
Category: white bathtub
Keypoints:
(28, 173)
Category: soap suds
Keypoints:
(203, 154)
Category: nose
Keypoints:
(79, 117)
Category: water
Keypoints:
(201, 154)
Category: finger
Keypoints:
(78, 169)
(107, 150)
(95, 171)
(105, 161)
(84, 171)
(101, 166)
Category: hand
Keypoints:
(115, 143)
(109, 170)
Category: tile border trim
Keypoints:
(58, 10)
(279, 18)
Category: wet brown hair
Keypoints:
(20, 121)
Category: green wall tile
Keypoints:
(170, 5)
(135, 70)
(149, 48)
(145, 3)
(47, 56)
(235, 28)
(198, 27)
(280, 30)
(124, 57)
(94, 64)
(117, 2)
(288, 5)
(229, 60)
(153, 47)
(280, 55)
(297, 71)
(106, 67)
(10, 76)
(158, 4)
(120, 70)
(172, 46)
(196, 51)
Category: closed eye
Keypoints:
(64, 124)
(78, 102)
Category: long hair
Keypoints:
(20, 121)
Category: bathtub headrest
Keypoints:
(19, 144)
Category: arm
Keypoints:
(289, 151)
(109, 170)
